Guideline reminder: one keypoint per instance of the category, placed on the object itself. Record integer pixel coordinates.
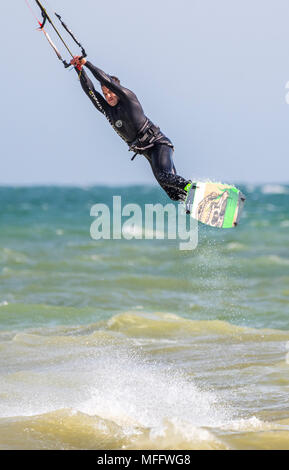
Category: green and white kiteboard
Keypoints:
(215, 204)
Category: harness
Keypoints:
(146, 138)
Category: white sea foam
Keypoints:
(274, 189)
(130, 391)
(235, 246)
(250, 425)
(278, 260)
(113, 383)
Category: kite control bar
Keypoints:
(46, 17)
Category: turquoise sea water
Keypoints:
(134, 343)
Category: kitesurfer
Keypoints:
(124, 112)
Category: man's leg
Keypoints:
(165, 172)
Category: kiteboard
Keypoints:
(215, 204)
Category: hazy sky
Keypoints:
(211, 73)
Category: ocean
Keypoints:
(134, 343)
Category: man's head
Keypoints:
(111, 97)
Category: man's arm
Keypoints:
(106, 80)
(95, 97)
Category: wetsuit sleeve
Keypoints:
(105, 80)
(95, 97)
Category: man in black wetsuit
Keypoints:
(124, 112)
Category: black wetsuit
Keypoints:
(129, 121)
